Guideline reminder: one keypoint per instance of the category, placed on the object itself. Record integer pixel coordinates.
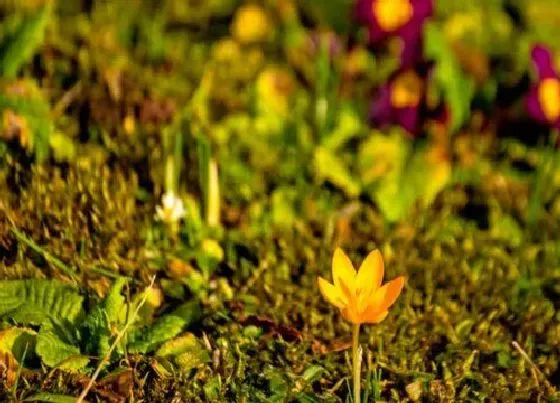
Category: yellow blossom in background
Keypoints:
(275, 87)
(226, 50)
(549, 98)
(359, 295)
(251, 24)
(392, 14)
(407, 90)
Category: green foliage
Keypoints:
(55, 352)
(63, 148)
(36, 301)
(97, 325)
(50, 397)
(20, 45)
(18, 342)
(36, 112)
(396, 174)
(330, 167)
(165, 328)
(458, 89)
(186, 351)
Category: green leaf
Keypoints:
(329, 167)
(186, 351)
(458, 89)
(283, 209)
(98, 322)
(165, 328)
(114, 302)
(382, 155)
(17, 48)
(409, 177)
(313, 373)
(51, 397)
(347, 127)
(505, 228)
(37, 115)
(35, 301)
(16, 341)
(55, 352)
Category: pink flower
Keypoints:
(543, 101)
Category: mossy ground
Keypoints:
(469, 295)
(479, 277)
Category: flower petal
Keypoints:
(343, 272)
(350, 315)
(369, 277)
(385, 296)
(332, 294)
(374, 317)
(534, 107)
(543, 61)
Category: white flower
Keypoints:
(171, 210)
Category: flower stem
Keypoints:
(356, 362)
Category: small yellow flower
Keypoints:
(251, 24)
(549, 98)
(359, 295)
(407, 90)
(392, 14)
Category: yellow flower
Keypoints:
(549, 98)
(251, 24)
(407, 90)
(392, 14)
(359, 295)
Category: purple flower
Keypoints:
(399, 101)
(543, 101)
(402, 18)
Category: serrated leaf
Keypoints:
(114, 302)
(165, 328)
(34, 301)
(98, 322)
(55, 352)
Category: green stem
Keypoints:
(356, 362)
